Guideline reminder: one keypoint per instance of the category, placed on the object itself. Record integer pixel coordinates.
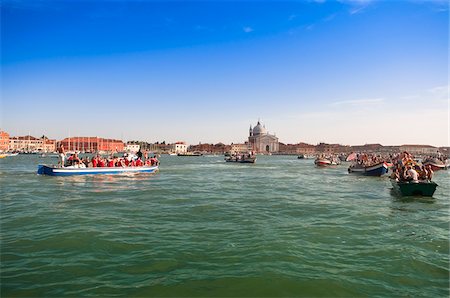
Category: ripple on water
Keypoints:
(203, 227)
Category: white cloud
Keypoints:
(247, 29)
(358, 102)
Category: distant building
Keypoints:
(240, 148)
(92, 144)
(4, 141)
(179, 147)
(261, 141)
(30, 143)
(307, 149)
(132, 147)
(419, 149)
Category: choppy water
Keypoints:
(202, 227)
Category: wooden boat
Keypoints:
(435, 164)
(244, 158)
(8, 154)
(374, 170)
(190, 154)
(421, 188)
(324, 162)
(70, 171)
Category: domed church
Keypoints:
(261, 141)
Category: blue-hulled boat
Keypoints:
(71, 171)
(375, 170)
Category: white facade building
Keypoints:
(180, 147)
(132, 148)
(261, 141)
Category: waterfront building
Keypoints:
(261, 141)
(4, 141)
(419, 149)
(132, 147)
(241, 148)
(92, 144)
(219, 148)
(179, 147)
(30, 143)
(306, 149)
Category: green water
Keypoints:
(203, 227)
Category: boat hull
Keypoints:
(375, 170)
(54, 171)
(435, 167)
(325, 163)
(247, 160)
(421, 188)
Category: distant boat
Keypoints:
(421, 188)
(71, 171)
(378, 169)
(241, 158)
(190, 154)
(7, 154)
(435, 164)
(325, 162)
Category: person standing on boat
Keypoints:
(62, 155)
(139, 154)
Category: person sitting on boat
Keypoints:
(423, 173)
(86, 161)
(76, 159)
(429, 172)
(62, 155)
(95, 161)
(139, 163)
(411, 174)
(101, 162)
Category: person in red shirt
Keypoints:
(101, 163)
(94, 162)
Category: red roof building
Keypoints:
(4, 141)
(92, 144)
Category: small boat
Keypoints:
(190, 154)
(435, 164)
(301, 156)
(421, 188)
(324, 162)
(7, 154)
(374, 170)
(70, 171)
(242, 158)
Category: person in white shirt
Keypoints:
(411, 174)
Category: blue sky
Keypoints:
(349, 72)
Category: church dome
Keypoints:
(259, 129)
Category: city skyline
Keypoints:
(346, 72)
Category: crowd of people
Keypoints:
(405, 168)
(367, 160)
(97, 161)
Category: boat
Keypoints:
(190, 154)
(410, 188)
(7, 154)
(301, 156)
(71, 171)
(378, 169)
(324, 162)
(241, 158)
(435, 164)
